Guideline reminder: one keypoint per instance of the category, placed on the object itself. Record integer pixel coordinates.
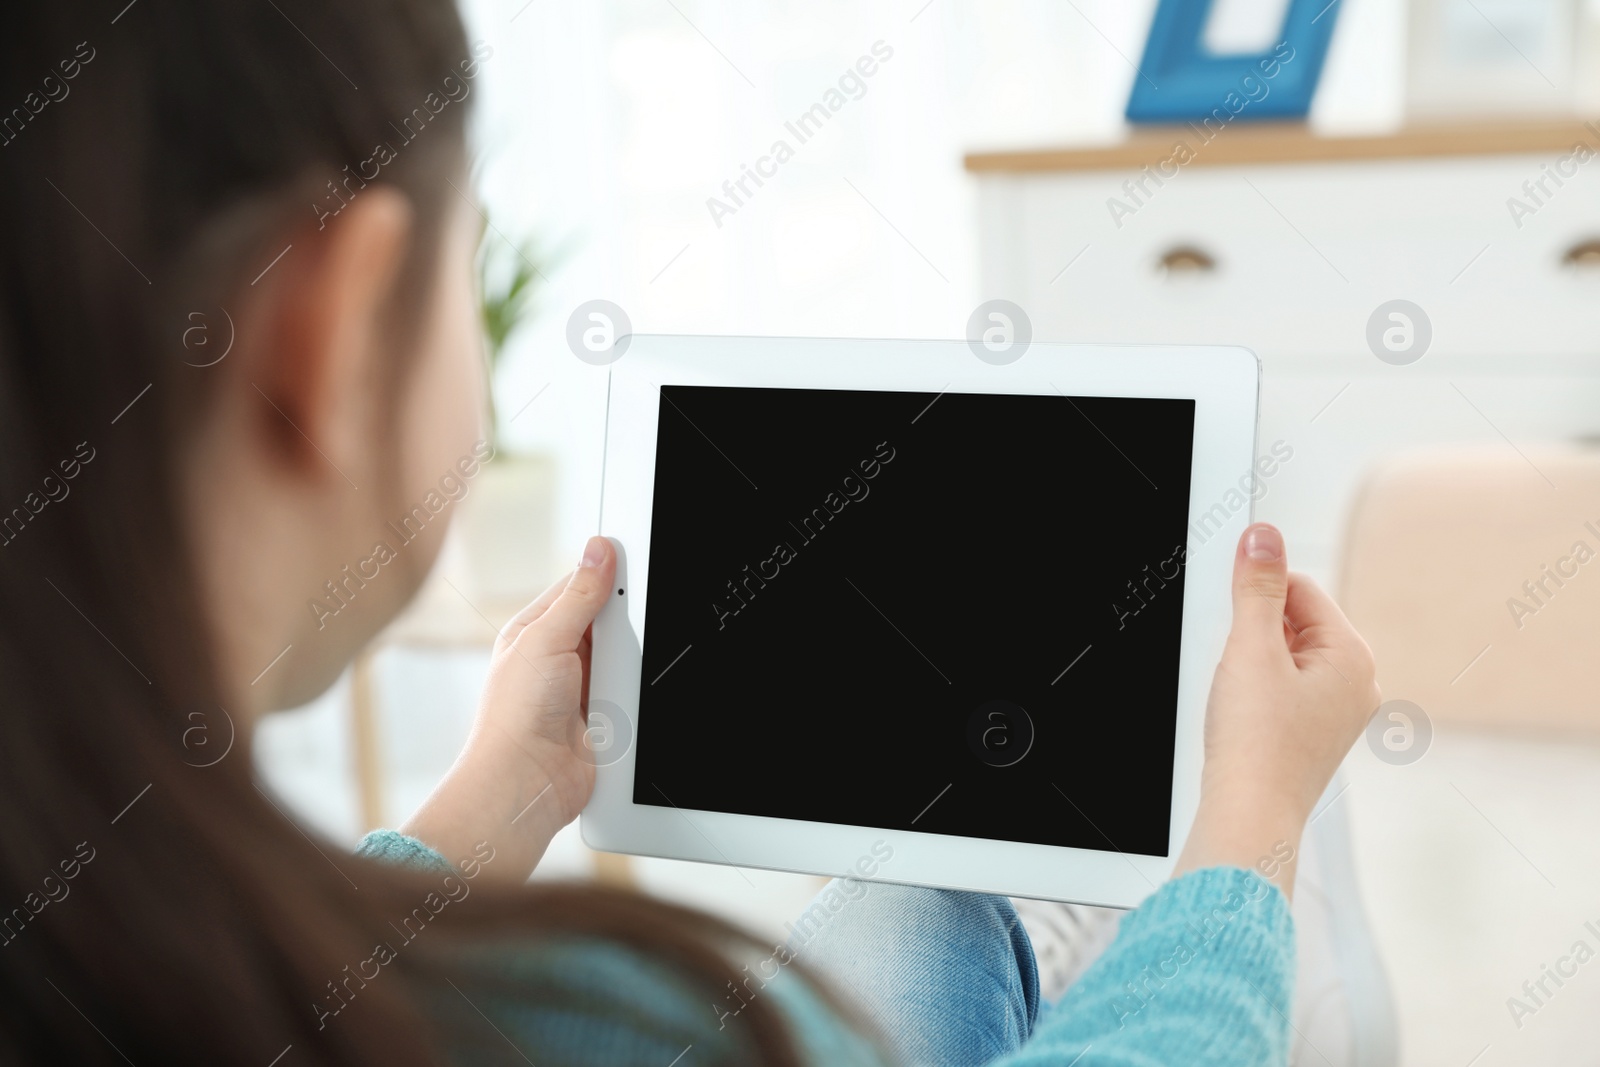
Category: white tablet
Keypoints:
(888, 610)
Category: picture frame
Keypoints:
(1181, 79)
(1469, 58)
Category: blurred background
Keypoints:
(1415, 263)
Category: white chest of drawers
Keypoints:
(1286, 242)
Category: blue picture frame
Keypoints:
(1180, 81)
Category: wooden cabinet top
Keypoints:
(1257, 143)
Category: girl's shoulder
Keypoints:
(583, 1001)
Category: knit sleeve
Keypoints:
(591, 1003)
(587, 1002)
(1201, 974)
(391, 846)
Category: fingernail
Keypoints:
(594, 552)
(1264, 543)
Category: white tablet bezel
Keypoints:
(1223, 382)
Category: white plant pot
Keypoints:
(507, 525)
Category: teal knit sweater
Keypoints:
(1200, 974)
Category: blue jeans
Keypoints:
(942, 977)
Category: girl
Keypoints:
(237, 341)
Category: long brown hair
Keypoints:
(153, 908)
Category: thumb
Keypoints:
(1260, 586)
(563, 623)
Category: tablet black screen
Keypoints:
(951, 613)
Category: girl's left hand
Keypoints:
(526, 770)
(1295, 688)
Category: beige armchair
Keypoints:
(1474, 573)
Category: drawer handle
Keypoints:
(1583, 254)
(1191, 261)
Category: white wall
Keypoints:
(604, 128)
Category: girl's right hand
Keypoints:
(1293, 692)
